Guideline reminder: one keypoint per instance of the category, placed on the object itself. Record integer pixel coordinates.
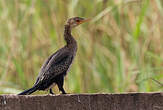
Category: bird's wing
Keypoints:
(56, 64)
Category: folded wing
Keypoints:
(56, 64)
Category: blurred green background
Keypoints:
(120, 50)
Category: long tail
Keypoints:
(29, 91)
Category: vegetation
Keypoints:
(120, 50)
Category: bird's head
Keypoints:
(75, 21)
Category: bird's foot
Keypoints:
(51, 92)
(64, 92)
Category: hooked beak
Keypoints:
(85, 20)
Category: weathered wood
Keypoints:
(127, 101)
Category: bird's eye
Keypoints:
(77, 20)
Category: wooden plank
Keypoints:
(127, 101)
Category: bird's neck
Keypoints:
(68, 37)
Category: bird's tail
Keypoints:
(29, 91)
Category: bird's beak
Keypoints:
(85, 20)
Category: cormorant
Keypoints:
(57, 65)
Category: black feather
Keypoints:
(29, 91)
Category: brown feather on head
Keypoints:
(75, 21)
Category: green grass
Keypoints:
(120, 50)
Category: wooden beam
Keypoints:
(127, 101)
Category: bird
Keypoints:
(56, 67)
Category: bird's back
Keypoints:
(57, 64)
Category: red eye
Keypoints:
(77, 20)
